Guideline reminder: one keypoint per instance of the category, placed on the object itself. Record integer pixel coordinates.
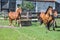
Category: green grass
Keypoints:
(34, 32)
(8, 34)
(6, 23)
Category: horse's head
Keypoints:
(55, 13)
(19, 10)
(49, 10)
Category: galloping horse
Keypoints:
(42, 15)
(47, 17)
(15, 15)
(55, 15)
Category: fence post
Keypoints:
(27, 15)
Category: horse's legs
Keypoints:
(16, 21)
(41, 21)
(10, 22)
(19, 23)
(54, 25)
(48, 26)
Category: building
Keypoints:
(7, 5)
(11, 5)
(43, 5)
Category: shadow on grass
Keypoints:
(58, 30)
(57, 26)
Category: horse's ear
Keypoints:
(50, 7)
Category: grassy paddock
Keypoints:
(34, 32)
(6, 22)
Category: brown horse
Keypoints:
(55, 15)
(42, 15)
(47, 17)
(15, 15)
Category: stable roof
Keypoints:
(42, 0)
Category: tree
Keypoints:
(27, 5)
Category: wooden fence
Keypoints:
(26, 17)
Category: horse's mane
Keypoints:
(48, 9)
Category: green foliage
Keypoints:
(27, 5)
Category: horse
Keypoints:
(42, 14)
(51, 20)
(14, 15)
(55, 16)
(47, 17)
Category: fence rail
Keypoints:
(33, 16)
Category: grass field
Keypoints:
(34, 32)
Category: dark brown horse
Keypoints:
(14, 15)
(47, 17)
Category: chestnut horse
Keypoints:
(47, 17)
(14, 15)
